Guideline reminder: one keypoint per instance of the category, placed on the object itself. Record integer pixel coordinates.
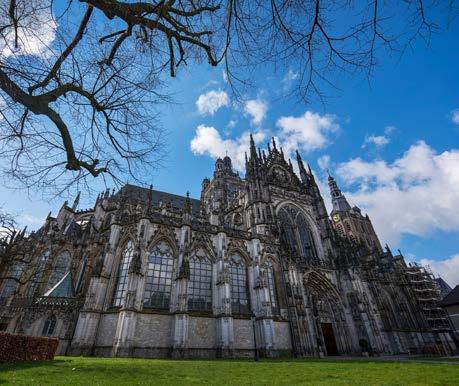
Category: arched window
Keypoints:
(50, 326)
(122, 276)
(12, 282)
(61, 267)
(158, 281)
(269, 269)
(295, 232)
(239, 293)
(39, 272)
(340, 229)
(348, 226)
(200, 285)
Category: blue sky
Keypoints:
(391, 141)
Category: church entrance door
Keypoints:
(329, 339)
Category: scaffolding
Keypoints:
(427, 293)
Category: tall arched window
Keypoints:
(158, 281)
(239, 293)
(61, 267)
(122, 276)
(50, 326)
(200, 286)
(39, 272)
(296, 233)
(12, 282)
(269, 269)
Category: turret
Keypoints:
(339, 202)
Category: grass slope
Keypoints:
(129, 371)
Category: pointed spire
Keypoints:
(274, 144)
(303, 174)
(339, 202)
(269, 147)
(76, 202)
(253, 150)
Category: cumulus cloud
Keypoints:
(416, 194)
(376, 140)
(208, 141)
(447, 269)
(210, 102)
(455, 116)
(307, 132)
(256, 109)
(36, 32)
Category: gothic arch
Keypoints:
(198, 242)
(315, 232)
(166, 234)
(239, 248)
(327, 307)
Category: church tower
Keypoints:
(349, 221)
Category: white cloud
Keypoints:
(447, 269)
(455, 116)
(289, 78)
(209, 141)
(231, 124)
(324, 162)
(210, 102)
(377, 140)
(307, 132)
(257, 110)
(416, 194)
(36, 32)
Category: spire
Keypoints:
(339, 202)
(76, 202)
(253, 150)
(303, 174)
(274, 144)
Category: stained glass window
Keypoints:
(122, 276)
(158, 281)
(39, 272)
(50, 326)
(239, 293)
(295, 233)
(61, 267)
(200, 285)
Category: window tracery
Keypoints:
(122, 276)
(296, 233)
(50, 326)
(200, 285)
(239, 290)
(158, 280)
(61, 267)
(39, 273)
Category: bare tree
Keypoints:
(80, 80)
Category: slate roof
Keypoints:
(451, 299)
(138, 192)
(63, 289)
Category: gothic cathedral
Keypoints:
(255, 267)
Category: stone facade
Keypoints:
(256, 266)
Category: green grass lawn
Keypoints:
(110, 371)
